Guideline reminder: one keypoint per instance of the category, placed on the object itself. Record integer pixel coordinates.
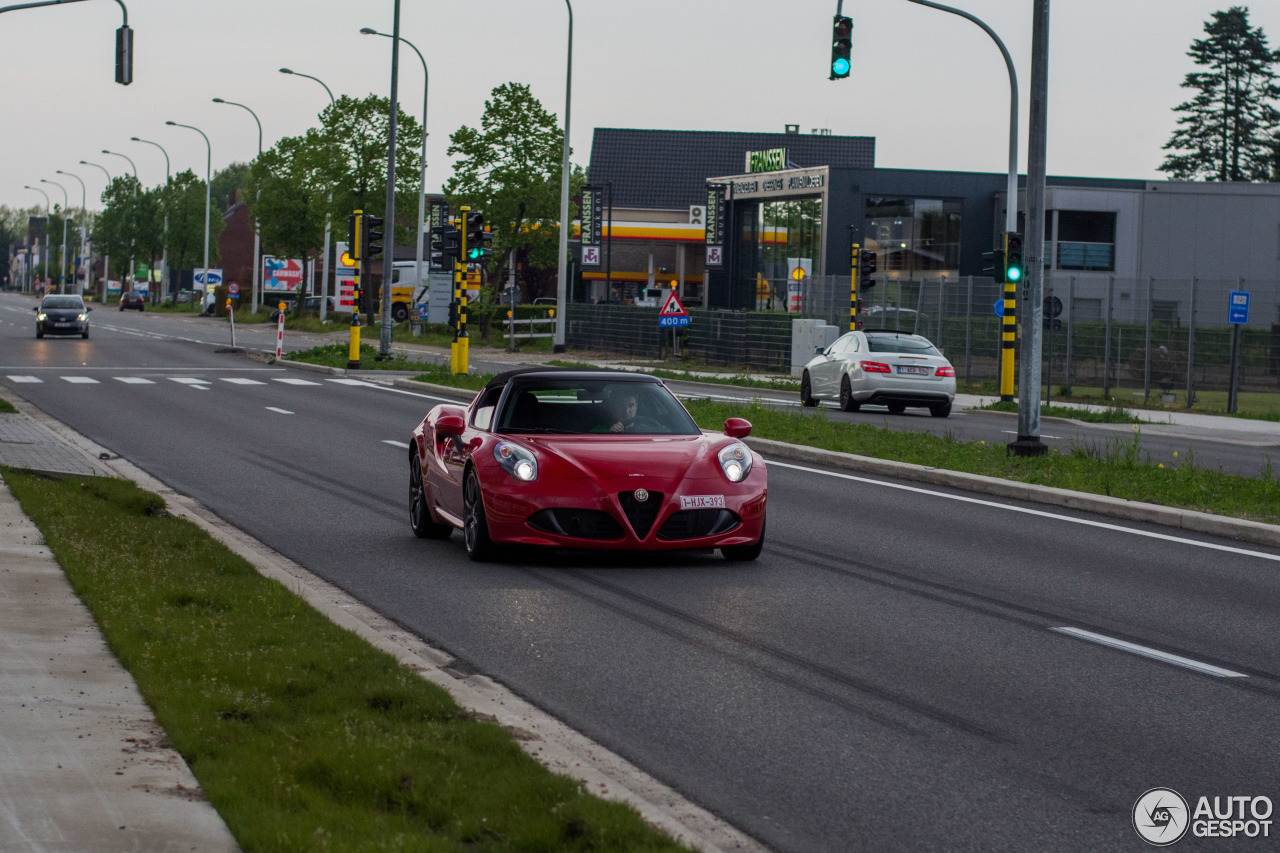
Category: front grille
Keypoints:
(696, 523)
(578, 523)
(642, 515)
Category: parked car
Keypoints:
(894, 369)
(133, 299)
(311, 304)
(592, 459)
(61, 314)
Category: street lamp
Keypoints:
(324, 290)
(84, 232)
(164, 256)
(208, 175)
(46, 219)
(257, 236)
(62, 256)
(106, 258)
(422, 185)
(132, 276)
(562, 284)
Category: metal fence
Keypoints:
(1150, 338)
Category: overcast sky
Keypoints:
(929, 86)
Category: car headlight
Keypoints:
(42, 317)
(516, 461)
(83, 317)
(735, 461)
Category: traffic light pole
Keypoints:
(1028, 442)
(853, 285)
(458, 352)
(355, 237)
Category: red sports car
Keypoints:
(584, 459)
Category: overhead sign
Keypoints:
(771, 160)
(281, 274)
(1238, 308)
(672, 313)
(714, 230)
(592, 214)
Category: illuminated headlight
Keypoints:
(83, 317)
(735, 461)
(42, 316)
(516, 461)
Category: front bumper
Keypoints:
(62, 327)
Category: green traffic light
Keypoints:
(1013, 274)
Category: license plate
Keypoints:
(62, 324)
(914, 371)
(702, 501)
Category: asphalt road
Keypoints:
(904, 667)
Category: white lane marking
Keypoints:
(134, 380)
(1155, 654)
(187, 380)
(289, 380)
(1009, 431)
(281, 411)
(24, 379)
(453, 400)
(80, 380)
(237, 380)
(1181, 540)
(344, 381)
(400, 444)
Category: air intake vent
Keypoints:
(641, 514)
(697, 523)
(578, 523)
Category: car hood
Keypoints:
(658, 458)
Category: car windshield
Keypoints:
(564, 406)
(901, 343)
(73, 303)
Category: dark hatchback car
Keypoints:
(133, 299)
(62, 315)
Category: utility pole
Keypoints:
(1031, 312)
(389, 256)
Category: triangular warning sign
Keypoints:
(672, 307)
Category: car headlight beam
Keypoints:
(42, 316)
(735, 461)
(516, 461)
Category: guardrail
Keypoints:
(531, 323)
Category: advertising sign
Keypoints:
(772, 160)
(207, 279)
(714, 231)
(592, 214)
(439, 218)
(281, 275)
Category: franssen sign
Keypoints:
(790, 182)
(772, 160)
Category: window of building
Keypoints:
(1086, 240)
(914, 236)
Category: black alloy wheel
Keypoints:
(419, 513)
(847, 403)
(806, 391)
(475, 530)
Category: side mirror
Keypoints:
(451, 423)
(88, 308)
(37, 308)
(819, 351)
(737, 427)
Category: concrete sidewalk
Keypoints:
(84, 766)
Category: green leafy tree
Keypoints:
(183, 200)
(1229, 131)
(510, 169)
(233, 179)
(289, 191)
(117, 232)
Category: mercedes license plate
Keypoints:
(702, 501)
(914, 371)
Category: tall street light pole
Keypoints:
(422, 183)
(62, 256)
(164, 252)
(208, 177)
(257, 234)
(562, 267)
(132, 243)
(324, 290)
(47, 205)
(106, 258)
(84, 233)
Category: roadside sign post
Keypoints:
(673, 315)
(1237, 316)
(231, 313)
(280, 331)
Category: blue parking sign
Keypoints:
(1238, 307)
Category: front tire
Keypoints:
(847, 403)
(744, 553)
(420, 521)
(399, 312)
(480, 547)
(85, 334)
(39, 333)
(897, 408)
(806, 391)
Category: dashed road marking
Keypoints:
(1147, 652)
(134, 380)
(80, 380)
(281, 411)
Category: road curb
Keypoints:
(1254, 532)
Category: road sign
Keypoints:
(211, 280)
(672, 313)
(281, 274)
(1238, 307)
(1053, 307)
(998, 308)
(233, 289)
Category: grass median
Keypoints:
(303, 736)
(1117, 467)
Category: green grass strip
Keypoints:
(1109, 415)
(337, 355)
(303, 736)
(6, 407)
(740, 380)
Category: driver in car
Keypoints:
(623, 405)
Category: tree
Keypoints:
(289, 199)
(1228, 131)
(117, 230)
(510, 170)
(183, 201)
(234, 178)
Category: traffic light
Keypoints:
(437, 247)
(372, 243)
(124, 55)
(867, 260)
(477, 237)
(452, 247)
(1014, 269)
(996, 267)
(841, 47)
